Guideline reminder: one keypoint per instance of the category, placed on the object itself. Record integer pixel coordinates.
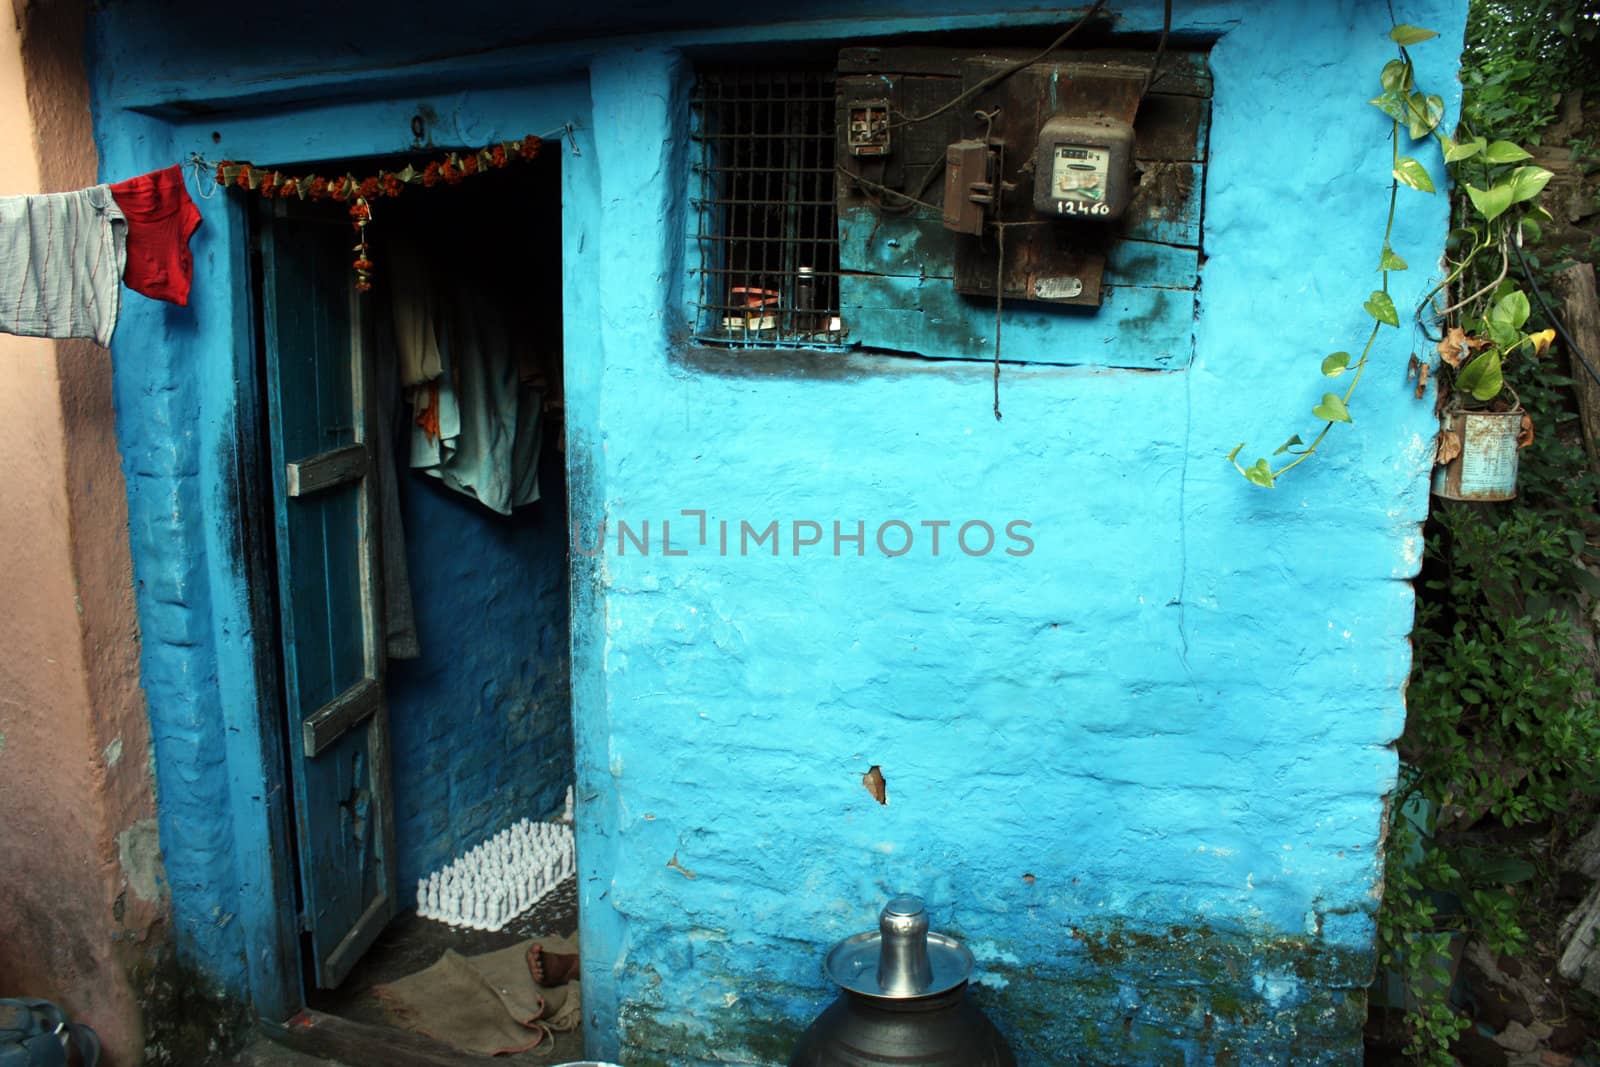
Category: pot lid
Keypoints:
(901, 959)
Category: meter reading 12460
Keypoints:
(1078, 181)
(1082, 167)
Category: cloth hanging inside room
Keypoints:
(61, 260)
(399, 612)
(477, 407)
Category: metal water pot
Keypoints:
(903, 1001)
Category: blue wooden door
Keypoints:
(320, 397)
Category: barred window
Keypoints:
(768, 249)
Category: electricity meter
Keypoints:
(1081, 167)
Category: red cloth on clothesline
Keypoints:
(161, 218)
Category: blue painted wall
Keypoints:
(481, 724)
(1141, 768)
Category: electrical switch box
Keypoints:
(1081, 167)
(968, 186)
(867, 133)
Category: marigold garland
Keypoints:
(359, 193)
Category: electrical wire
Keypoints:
(1549, 313)
(1161, 48)
(999, 304)
(884, 190)
(1001, 75)
(909, 201)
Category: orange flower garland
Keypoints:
(359, 193)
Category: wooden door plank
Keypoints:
(326, 470)
(328, 590)
(340, 715)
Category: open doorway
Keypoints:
(423, 592)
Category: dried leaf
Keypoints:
(876, 785)
(1453, 348)
(1422, 381)
(1447, 446)
(1458, 346)
(1542, 341)
(1525, 432)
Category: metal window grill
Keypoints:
(768, 268)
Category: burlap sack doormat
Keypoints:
(486, 1004)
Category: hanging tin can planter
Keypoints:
(1477, 455)
(903, 1001)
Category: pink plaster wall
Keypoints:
(81, 895)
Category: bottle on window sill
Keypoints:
(805, 301)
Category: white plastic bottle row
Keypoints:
(499, 879)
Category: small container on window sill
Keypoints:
(760, 310)
(805, 301)
(752, 324)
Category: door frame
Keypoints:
(257, 758)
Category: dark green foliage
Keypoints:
(1502, 737)
(1521, 54)
(1503, 725)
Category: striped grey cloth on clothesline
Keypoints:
(61, 262)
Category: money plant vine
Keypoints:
(1476, 333)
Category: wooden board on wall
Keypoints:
(896, 289)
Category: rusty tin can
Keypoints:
(1486, 468)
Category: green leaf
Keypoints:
(1455, 152)
(1381, 307)
(1335, 364)
(1532, 232)
(1501, 333)
(1528, 182)
(1391, 103)
(1390, 261)
(1484, 865)
(1260, 473)
(1491, 203)
(1409, 172)
(1512, 309)
(1290, 443)
(1482, 377)
(1234, 455)
(1584, 578)
(1331, 409)
(1397, 74)
(1423, 113)
(1504, 152)
(1404, 35)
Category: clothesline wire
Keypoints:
(204, 168)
